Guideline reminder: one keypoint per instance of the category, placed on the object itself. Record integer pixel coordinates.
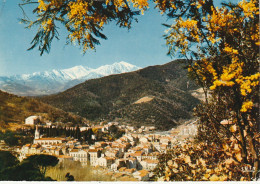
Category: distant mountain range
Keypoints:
(54, 81)
(157, 95)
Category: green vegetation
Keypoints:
(113, 133)
(31, 169)
(42, 162)
(15, 109)
(114, 96)
(18, 137)
(7, 160)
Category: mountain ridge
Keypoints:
(112, 97)
(54, 81)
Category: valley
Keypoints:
(118, 125)
(114, 97)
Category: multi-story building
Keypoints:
(80, 155)
(94, 154)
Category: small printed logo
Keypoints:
(248, 169)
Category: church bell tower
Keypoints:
(37, 133)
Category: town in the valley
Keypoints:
(134, 154)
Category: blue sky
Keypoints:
(143, 45)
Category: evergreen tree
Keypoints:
(50, 131)
(67, 131)
(77, 133)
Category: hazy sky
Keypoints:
(143, 45)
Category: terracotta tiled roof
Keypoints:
(122, 169)
(51, 138)
(150, 161)
(130, 170)
(135, 155)
(64, 156)
(34, 146)
(92, 150)
(143, 172)
(98, 127)
(136, 148)
(115, 146)
(109, 158)
(138, 153)
(74, 150)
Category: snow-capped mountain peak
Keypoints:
(55, 80)
(76, 72)
(125, 64)
(116, 68)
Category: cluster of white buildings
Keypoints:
(134, 153)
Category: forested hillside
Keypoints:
(114, 96)
(15, 109)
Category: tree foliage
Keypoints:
(84, 20)
(221, 46)
(42, 162)
(203, 161)
(7, 159)
(19, 137)
(10, 138)
(29, 169)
